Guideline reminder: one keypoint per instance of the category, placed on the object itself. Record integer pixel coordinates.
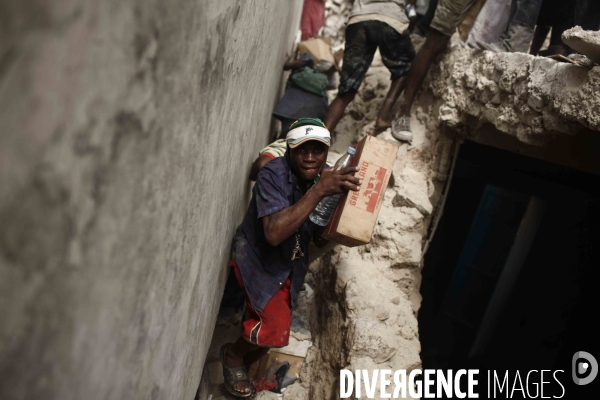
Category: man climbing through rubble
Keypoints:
(448, 15)
(270, 247)
(372, 24)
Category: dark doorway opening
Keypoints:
(510, 276)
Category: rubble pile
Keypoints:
(521, 95)
(368, 296)
(336, 15)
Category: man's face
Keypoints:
(308, 159)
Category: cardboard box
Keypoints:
(275, 357)
(356, 214)
(294, 353)
(319, 48)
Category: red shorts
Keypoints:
(271, 327)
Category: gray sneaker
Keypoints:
(516, 39)
(401, 129)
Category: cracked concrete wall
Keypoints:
(128, 128)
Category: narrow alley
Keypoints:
(136, 203)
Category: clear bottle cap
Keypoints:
(351, 150)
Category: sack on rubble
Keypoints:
(311, 80)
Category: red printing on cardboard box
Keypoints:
(372, 177)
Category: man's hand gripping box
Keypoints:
(356, 214)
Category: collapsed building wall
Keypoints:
(368, 296)
(128, 128)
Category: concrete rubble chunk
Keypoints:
(412, 190)
(295, 392)
(267, 395)
(521, 95)
(584, 42)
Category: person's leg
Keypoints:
(336, 109)
(526, 13)
(384, 118)
(519, 32)
(234, 354)
(262, 330)
(234, 357)
(587, 14)
(248, 354)
(448, 15)
(358, 55)
(243, 351)
(539, 36)
(252, 361)
(435, 44)
(556, 44)
(397, 54)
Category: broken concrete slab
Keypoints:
(530, 98)
(412, 190)
(584, 42)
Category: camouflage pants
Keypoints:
(362, 40)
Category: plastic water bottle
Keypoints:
(324, 210)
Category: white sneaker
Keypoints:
(401, 129)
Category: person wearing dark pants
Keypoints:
(553, 15)
(448, 16)
(587, 14)
(560, 16)
(373, 24)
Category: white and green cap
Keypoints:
(307, 129)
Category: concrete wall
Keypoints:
(127, 131)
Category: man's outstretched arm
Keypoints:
(283, 224)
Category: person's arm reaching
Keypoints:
(281, 225)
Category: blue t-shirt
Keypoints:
(265, 268)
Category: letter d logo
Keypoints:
(581, 364)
